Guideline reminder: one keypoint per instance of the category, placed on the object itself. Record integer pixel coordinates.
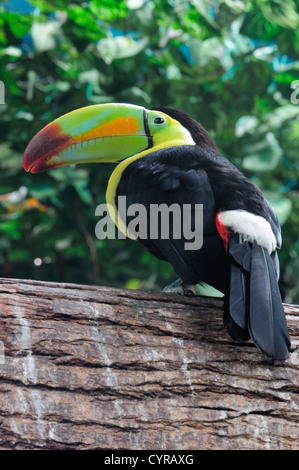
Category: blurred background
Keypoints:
(229, 63)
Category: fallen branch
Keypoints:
(88, 367)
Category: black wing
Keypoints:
(153, 181)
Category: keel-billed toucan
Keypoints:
(167, 157)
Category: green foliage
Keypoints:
(228, 63)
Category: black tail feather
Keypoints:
(253, 307)
(236, 302)
(267, 322)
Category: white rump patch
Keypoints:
(251, 227)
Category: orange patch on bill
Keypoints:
(119, 126)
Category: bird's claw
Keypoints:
(188, 293)
(177, 288)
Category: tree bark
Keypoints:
(86, 367)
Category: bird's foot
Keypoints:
(177, 287)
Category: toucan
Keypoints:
(165, 156)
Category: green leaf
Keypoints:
(283, 13)
(288, 43)
(236, 5)
(246, 125)
(19, 25)
(45, 35)
(47, 7)
(281, 114)
(108, 10)
(287, 77)
(82, 17)
(3, 39)
(10, 228)
(135, 4)
(256, 26)
(43, 189)
(205, 52)
(267, 19)
(9, 159)
(263, 155)
(83, 23)
(134, 284)
(120, 47)
(281, 204)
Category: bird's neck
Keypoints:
(117, 173)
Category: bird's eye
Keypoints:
(159, 120)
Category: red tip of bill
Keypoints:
(46, 144)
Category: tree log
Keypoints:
(87, 367)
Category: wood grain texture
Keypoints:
(88, 367)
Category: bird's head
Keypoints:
(110, 133)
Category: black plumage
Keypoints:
(244, 271)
